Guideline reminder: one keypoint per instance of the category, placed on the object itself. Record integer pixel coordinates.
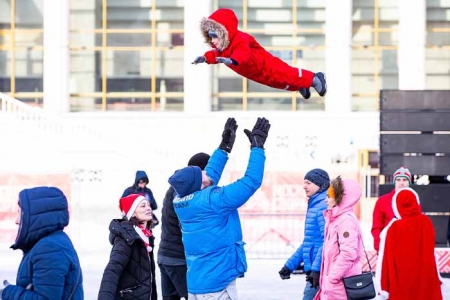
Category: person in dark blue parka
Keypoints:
(208, 213)
(50, 268)
(140, 187)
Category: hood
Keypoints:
(140, 175)
(124, 229)
(44, 210)
(187, 180)
(224, 23)
(406, 204)
(351, 192)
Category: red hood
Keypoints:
(405, 204)
(224, 23)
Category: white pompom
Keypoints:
(149, 249)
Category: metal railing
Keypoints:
(38, 118)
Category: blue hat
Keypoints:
(320, 178)
(212, 34)
(187, 180)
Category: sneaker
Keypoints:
(320, 84)
(306, 93)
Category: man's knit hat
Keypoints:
(403, 172)
(320, 178)
(187, 180)
(200, 160)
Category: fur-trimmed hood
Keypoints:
(347, 193)
(224, 23)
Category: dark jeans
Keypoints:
(173, 281)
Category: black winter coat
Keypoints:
(130, 273)
(171, 244)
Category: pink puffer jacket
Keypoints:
(342, 248)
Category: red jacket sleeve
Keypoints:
(211, 56)
(377, 224)
(241, 51)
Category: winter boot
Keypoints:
(319, 84)
(306, 93)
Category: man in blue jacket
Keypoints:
(50, 268)
(211, 229)
(316, 184)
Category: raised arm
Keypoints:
(236, 194)
(218, 160)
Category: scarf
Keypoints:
(145, 235)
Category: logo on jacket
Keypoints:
(182, 202)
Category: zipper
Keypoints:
(128, 290)
(151, 275)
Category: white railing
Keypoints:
(39, 118)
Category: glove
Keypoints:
(224, 60)
(313, 278)
(258, 135)
(228, 135)
(199, 60)
(285, 273)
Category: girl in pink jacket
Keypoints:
(342, 248)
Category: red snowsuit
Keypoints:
(406, 266)
(382, 215)
(253, 61)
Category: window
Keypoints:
(130, 60)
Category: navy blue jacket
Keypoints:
(50, 262)
(134, 189)
(212, 233)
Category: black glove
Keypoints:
(259, 133)
(313, 278)
(285, 273)
(228, 135)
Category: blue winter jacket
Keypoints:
(310, 252)
(50, 262)
(211, 229)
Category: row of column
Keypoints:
(198, 81)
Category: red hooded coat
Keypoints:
(406, 266)
(253, 61)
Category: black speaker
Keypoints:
(433, 197)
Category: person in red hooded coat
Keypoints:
(406, 266)
(244, 55)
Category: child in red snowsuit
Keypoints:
(244, 55)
